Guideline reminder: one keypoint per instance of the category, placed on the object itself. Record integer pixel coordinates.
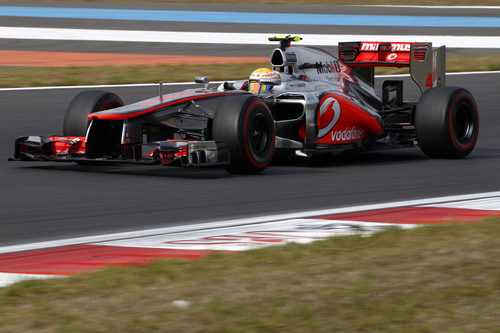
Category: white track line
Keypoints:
(10, 278)
(240, 222)
(106, 86)
(472, 73)
(431, 7)
(233, 38)
(481, 204)
(192, 83)
(246, 237)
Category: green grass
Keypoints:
(42, 76)
(431, 279)
(458, 64)
(326, 2)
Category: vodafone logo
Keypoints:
(392, 56)
(348, 134)
(329, 114)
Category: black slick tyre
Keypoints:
(447, 122)
(245, 125)
(86, 102)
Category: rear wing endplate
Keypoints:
(428, 71)
(426, 64)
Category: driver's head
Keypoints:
(261, 73)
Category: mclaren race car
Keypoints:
(310, 102)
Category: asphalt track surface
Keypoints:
(230, 49)
(47, 201)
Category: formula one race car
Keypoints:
(310, 102)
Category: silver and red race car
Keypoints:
(310, 102)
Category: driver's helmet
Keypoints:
(261, 73)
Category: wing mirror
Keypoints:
(272, 82)
(203, 80)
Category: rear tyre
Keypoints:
(85, 103)
(447, 122)
(246, 126)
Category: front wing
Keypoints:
(170, 152)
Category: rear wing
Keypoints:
(427, 64)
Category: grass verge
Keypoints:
(458, 64)
(429, 279)
(326, 2)
(43, 76)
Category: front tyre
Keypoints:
(447, 122)
(85, 103)
(246, 126)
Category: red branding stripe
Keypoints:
(75, 259)
(417, 215)
(121, 116)
(386, 46)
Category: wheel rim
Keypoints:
(258, 135)
(464, 123)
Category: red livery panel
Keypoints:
(62, 145)
(340, 121)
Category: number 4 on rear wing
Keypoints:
(427, 64)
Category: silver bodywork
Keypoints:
(307, 75)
